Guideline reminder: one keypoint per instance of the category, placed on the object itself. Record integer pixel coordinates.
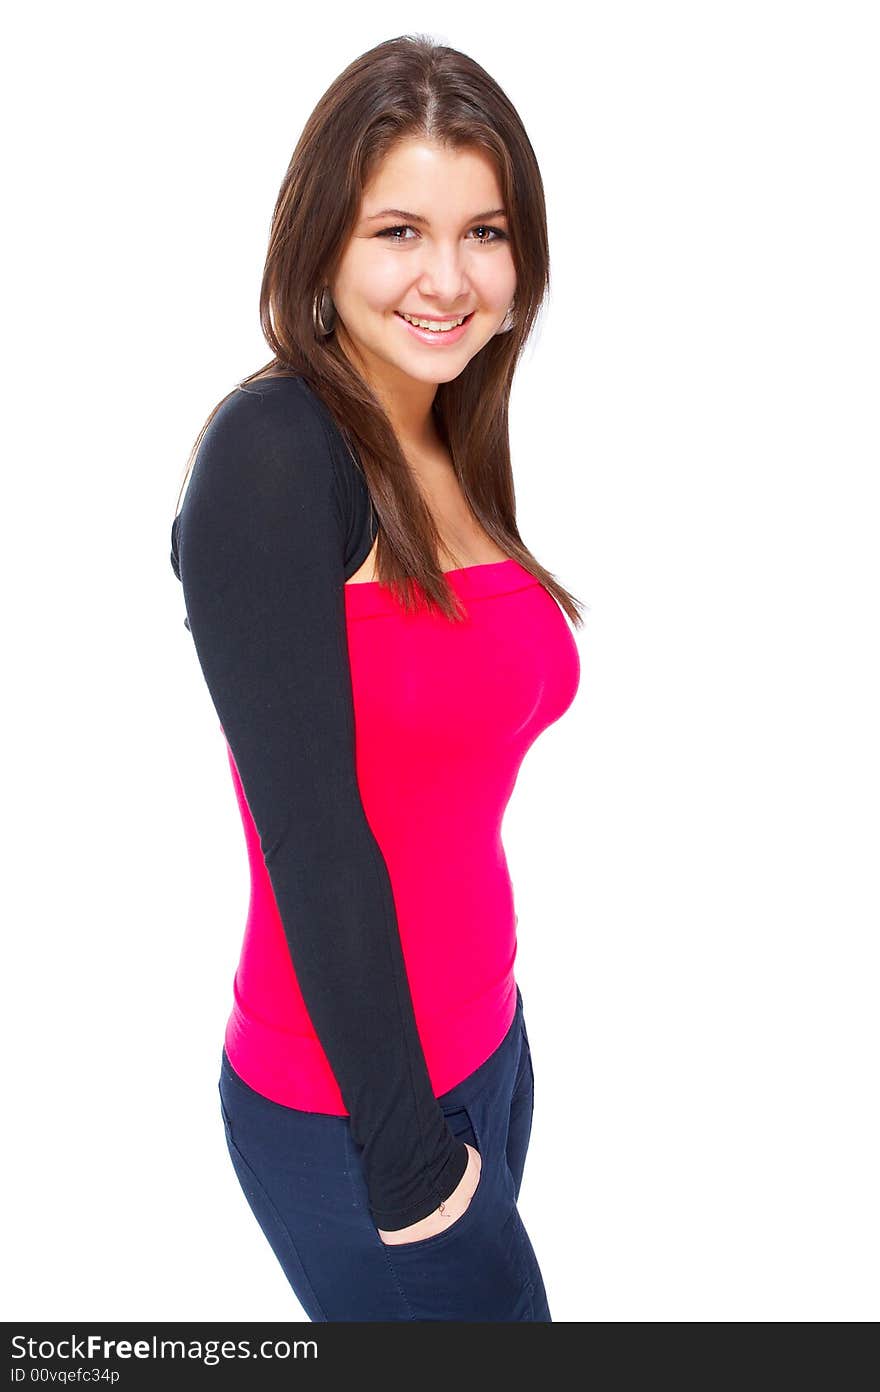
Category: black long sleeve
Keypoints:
(262, 546)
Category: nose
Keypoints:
(443, 277)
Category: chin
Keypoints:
(436, 373)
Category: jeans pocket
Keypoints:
(227, 1122)
(461, 1121)
(223, 1112)
(478, 1268)
(228, 1096)
(527, 1060)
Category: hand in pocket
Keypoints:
(453, 1207)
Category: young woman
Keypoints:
(381, 649)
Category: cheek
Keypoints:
(376, 283)
(386, 283)
(496, 283)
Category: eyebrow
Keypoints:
(416, 217)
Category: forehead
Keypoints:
(422, 174)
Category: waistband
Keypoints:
(461, 1094)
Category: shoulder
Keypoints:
(264, 432)
(272, 464)
(278, 433)
(263, 479)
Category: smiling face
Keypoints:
(440, 253)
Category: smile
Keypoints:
(434, 325)
(435, 330)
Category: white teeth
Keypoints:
(443, 327)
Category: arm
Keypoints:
(262, 535)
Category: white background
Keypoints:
(694, 846)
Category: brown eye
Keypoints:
(389, 233)
(499, 235)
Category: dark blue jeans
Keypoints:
(302, 1177)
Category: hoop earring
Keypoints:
(507, 322)
(323, 313)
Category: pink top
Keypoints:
(444, 714)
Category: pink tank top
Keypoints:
(444, 714)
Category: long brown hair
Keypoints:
(406, 87)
